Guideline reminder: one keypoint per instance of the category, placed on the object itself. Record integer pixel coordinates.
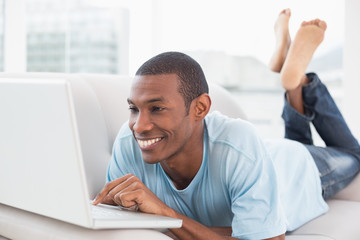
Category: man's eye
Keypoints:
(157, 109)
(133, 109)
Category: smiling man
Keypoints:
(175, 160)
(214, 172)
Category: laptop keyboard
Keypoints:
(107, 211)
(103, 212)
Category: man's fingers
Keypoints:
(108, 200)
(108, 187)
(103, 193)
(127, 199)
(127, 185)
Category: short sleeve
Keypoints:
(256, 207)
(254, 194)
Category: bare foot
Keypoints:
(307, 39)
(282, 39)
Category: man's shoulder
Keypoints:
(232, 139)
(222, 128)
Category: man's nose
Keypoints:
(142, 123)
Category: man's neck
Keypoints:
(182, 177)
(183, 167)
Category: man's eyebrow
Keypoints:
(160, 99)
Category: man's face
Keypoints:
(158, 117)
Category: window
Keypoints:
(68, 36)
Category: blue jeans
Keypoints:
(339, 161)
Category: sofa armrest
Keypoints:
(19, 224)
(351, 192)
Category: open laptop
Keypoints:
(41, 163)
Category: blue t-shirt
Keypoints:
(237, 183)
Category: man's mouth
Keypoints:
(148, 143)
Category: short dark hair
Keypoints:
(192, 81)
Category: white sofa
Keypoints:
(101, 108)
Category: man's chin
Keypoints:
(150, 159)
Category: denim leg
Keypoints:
(328, 120)
(337, 168)
(297, 126)
(339, 162)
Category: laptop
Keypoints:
(41, 162)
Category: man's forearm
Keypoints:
(222, 231)
(194, 230)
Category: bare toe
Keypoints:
(306, 41)
(283, 40)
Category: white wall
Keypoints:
(14, 28)
(352, 66)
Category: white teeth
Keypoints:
(145, 143)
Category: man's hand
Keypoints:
(129, 191)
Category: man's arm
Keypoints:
(128, 191)
(194, 230)
(226, 233)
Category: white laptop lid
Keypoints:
(41, 167)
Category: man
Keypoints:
(215, 173)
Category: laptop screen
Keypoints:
(41, 168)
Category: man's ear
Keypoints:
(202, 106)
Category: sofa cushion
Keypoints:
(308, 237)
(340, 222)
(112, 92)
(224, 102)
(351, 192)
